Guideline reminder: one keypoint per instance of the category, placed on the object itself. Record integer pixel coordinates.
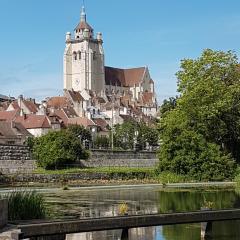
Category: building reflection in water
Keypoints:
(134, 234)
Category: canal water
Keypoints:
(106, 202)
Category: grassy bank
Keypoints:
(123, 173)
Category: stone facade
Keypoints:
(84, 59)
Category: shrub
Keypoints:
(190, 154)
(57, 148)
(25, 205)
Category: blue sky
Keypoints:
(155, 33)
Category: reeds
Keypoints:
(25, 205)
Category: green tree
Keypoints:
(57, 148)
(130, 131)
(80, 132)
(201, 134)
(102, 142)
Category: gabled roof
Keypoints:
(76, 96)
(31, 106)
(101, 123)
(8, 115)
(81, 121)
(58, 102)
(124, 77)
(31, 121)
(10, 129)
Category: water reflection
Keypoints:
(105, 203)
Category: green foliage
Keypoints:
(30, 143)
(201, 133)
(57, 148)
(102, 142)
(170, 177)
(80, 132)
(25, 205)
(168, 105)
(125, 135)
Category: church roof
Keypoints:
(124, 77)
(83, 25)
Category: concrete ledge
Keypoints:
(3, 213)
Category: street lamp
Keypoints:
(93, 131)
(135, 139)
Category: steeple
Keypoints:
(83, 15)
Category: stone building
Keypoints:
(85, 72)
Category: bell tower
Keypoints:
(84, 59)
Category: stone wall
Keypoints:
(103, 158)
(15, 159)
(17, 166)
(3, 212)
(14, 152)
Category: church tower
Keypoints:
(84, 59)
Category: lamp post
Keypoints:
(135, 139)
(93, 131)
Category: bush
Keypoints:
(25, 205)
(57, 148)
(190, 154)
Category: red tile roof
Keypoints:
(12, 129)
(124, 77)
(76, 96)
(81, 121)
(31, 106)
(8, 115)
(83, 25)
(31, 121)
(58, 102)
(101, 123)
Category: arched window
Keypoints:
(79, 55)
(94, 55)
(74, 56)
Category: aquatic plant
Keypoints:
(123, 209)
(25, 205)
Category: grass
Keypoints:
(96, 170)
(25, 205)
(124, 173)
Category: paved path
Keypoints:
(169, 185)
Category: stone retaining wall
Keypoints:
(103, 158)
(17, 166)
(85, 176)
(14, 152)
(3, 213)
(15, 159)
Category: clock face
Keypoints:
(77, 81)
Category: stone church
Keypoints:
(85, 72)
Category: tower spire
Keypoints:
(83, 14)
